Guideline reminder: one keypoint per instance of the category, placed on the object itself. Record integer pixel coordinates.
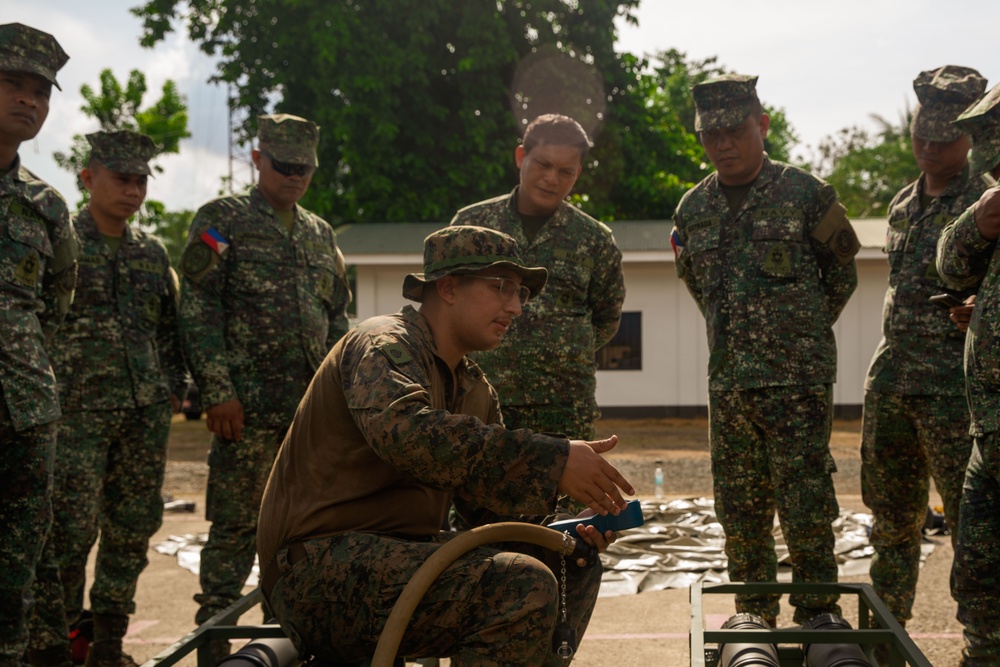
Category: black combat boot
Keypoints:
(106, 649)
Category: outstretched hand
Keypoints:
(593, 481)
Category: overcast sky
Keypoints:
(828, 65)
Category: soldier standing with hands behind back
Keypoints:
(121, 375)
(38, 251)
(264, 298)
(767, 252)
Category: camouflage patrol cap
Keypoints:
(465, 249)
(724, 101)
(288, 138)
(982, 121)
(124, 151)
(943, 94)
(25, 49)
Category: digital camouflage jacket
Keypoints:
(260, 307)
(120, 345)
(38, 249)
(770, 279)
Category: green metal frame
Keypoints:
(221, 626)
(876, 626)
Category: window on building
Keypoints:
(624, 351)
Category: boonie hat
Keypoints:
(982, 121)
(942, 95)
(288, 138)
(124, 151)
(462, 249)
(724, 101)
(25, 49)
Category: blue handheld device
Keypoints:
(630, 517)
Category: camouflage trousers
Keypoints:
(573, 420)
(495, 605)
(109, 478)
(905, 441)
(771, 451)
(975, 573)
(238, 472)
(26, 465)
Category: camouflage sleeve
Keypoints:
(387, 386)
(606, 294)
(59, 281)
(682, 261)
(202, 315)
(338, 304)
(963, 255)
(168, 336)
(835, 245)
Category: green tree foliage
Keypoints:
(415, 98)
(421, 102)
(659, 156)
(117, 107)
(170, 226)
(868, 168)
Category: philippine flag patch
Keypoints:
(676, 243)
(215, 240)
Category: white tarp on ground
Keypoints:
(681, 542)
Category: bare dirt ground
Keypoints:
(646, 629)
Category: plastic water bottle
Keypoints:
(658, 480)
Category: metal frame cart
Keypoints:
(876, 626)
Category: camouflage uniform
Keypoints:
(771, 279)
(964, 258)
(260, 308)
(982, 121)
(544, 369)
(915, 421)
(389, 437)
(38, 251)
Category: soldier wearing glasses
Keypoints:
(263, 300)
(397, 423)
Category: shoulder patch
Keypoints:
(198, 258)
(214, 240)
(396, 353)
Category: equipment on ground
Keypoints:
(876, 627)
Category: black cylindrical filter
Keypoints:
(833, 655)
(747, 655)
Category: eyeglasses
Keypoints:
(508, 288)
(289, 168)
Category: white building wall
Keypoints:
(674, 348)
(675, 351)
(859, 328)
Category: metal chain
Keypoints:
(562, 576)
